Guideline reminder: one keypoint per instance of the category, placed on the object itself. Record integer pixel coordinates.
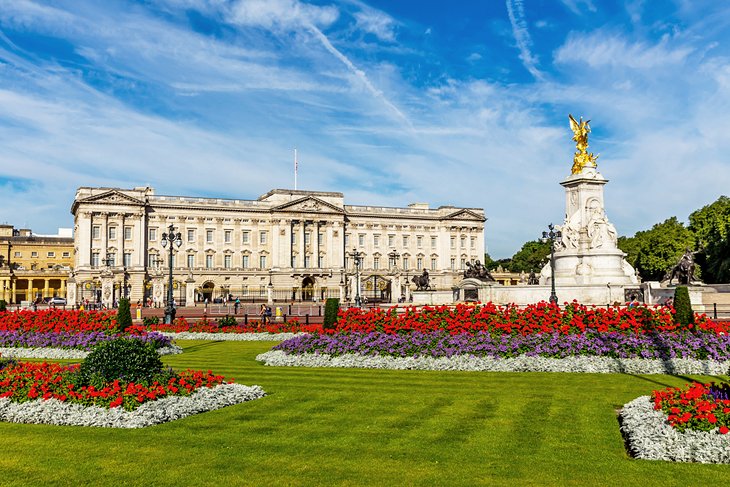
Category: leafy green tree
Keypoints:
(661, 247)
(530, 257)
(711, 228)
(488, 261)
(631, 246)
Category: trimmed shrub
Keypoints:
(3, 305)
(124, 315)
(129, 359)
(227, 320)
(683, 307)
(150, 320)
(331, 307)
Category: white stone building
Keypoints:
(286, 245)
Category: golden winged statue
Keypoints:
(581, 158)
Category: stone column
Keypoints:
(14, 291)
(302, 246)
(29, 296)
(190, 291)
(63, 291)
(45, 287)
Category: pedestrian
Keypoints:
(263, 314)
(236, 305)
(268, 314)
(205, 303)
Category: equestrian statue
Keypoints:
(422, 281)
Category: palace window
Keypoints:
(127, 233)
(405, 263)
(320, 261)
(391, 240)
(307, 238)
(34, 254)
(453, 242)
(66, 255)
(95, 232)
(263, 238)
(453, 264)
(361, 240)
(376, 240)
(153, 234)
(293, 260)
(227, 261)
(463, 242)
(245, 237)
(306, 261)
(419, 263)
(191, 235)
(473, 243)
(95, 259)
(227, 234)
(191, 261)
(262, 261)
(51, 255)
(112, 233)
(244, 262)
(419, 241)
(433, 242)
(17, 254)
(376, 263)
(433, 264)
(405, 240)
(347, 239)
(209, 236)
(209, 261)
(127, 259)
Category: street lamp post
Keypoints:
(550, 237)
(174, 239)
(357, 259)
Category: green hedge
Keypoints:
(684, 314)
(124, 315)
(331, 308)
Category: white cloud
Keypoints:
(516, 12)
(575, 6)
(377, 23)
(598, 49)
(285, 14)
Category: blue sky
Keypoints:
(390, 102)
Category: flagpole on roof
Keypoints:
(296, 167)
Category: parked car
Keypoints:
(57, 301)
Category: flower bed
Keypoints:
(522, 363)
(688, 424)
(542, 317)
(56, 329)
(57, 321)
(228, 325)
(653, 345)
(701, 407)
(47, 393)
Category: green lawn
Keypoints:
(363, 427)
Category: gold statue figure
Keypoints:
(581, 158)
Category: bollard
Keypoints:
(284, 318)
(290, 309)
(245, 319)
(306, 319)
(320, 310)
(714, 311)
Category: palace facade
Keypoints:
(34, 266)
(285, 245)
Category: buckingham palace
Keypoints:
(286, 245)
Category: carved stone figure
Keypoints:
(601, 232)
(570, 231)
(422, 281)
(533, 279)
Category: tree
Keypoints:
(661, 247)
(711, 228)
(631, 246)
(530, 257)
(124, 315)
